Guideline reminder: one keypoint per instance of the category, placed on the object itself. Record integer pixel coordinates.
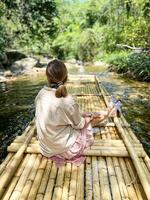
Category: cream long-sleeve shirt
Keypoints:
(58, 121)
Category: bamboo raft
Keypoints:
(116, 166)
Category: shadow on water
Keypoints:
(17, 103)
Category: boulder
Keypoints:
(2, 79)
(13, 56)
(24, 65)
(8, 73)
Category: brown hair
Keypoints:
(56, 73)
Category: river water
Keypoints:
(17, 103)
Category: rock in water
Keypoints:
(8, 73)
(24, 65)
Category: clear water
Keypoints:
(17, 103)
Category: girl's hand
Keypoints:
(87, 114)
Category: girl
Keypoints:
(62, 131)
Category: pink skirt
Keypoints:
(75, 153)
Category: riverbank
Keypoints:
(36, 64)
(132, 65)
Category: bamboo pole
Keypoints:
(134, 177)
(73, 183)
(108, 153)
(44, 182)
(133, 154)
(65, 191)
(95, 179)
(6, 162)
(122, 187)
(98, 142)
(128, 180)
(80, 183)
(117, 148)
(103, 177)
(51, 181)
(20, 139)
(37, 180)
(22, 180)
(147, 162)
(15, 179)
(93, 151)
(132, 171)
(112, 176)
(145, 169)
(30, 179)
(57, 193)
(117, 173)
(89, 187)
(9, 171)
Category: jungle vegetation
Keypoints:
(115, 31)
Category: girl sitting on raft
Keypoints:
(63, 132)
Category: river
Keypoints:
(17, 103)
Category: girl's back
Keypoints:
(56, 121)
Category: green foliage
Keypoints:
(88, 45)
(3, 34)
(78, 29)
(31, 23)
(133, 65)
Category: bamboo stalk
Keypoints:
(104, 182)
(139, 189)
(135, 159)
(15, 179)
(37, 180)
(22, 166)
(119, 148)
(145, 169)
(57, 193)
(106, 152)
(133, 175)
(65, 192)
(122, 187)
(73, 183)
(30, 179)
(4, 180)
(11, 188)
(48, 193)
(22, 180)
(80, 183)
(94, 151)
(95, 180)
(128, 180)
(98, 143)
(89, 187)
(113, 132)
(44, 181)
(6, 162)
(147, 162)
(112, 176)
(133, 154)
(20, 139)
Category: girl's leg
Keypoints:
(101, 117)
